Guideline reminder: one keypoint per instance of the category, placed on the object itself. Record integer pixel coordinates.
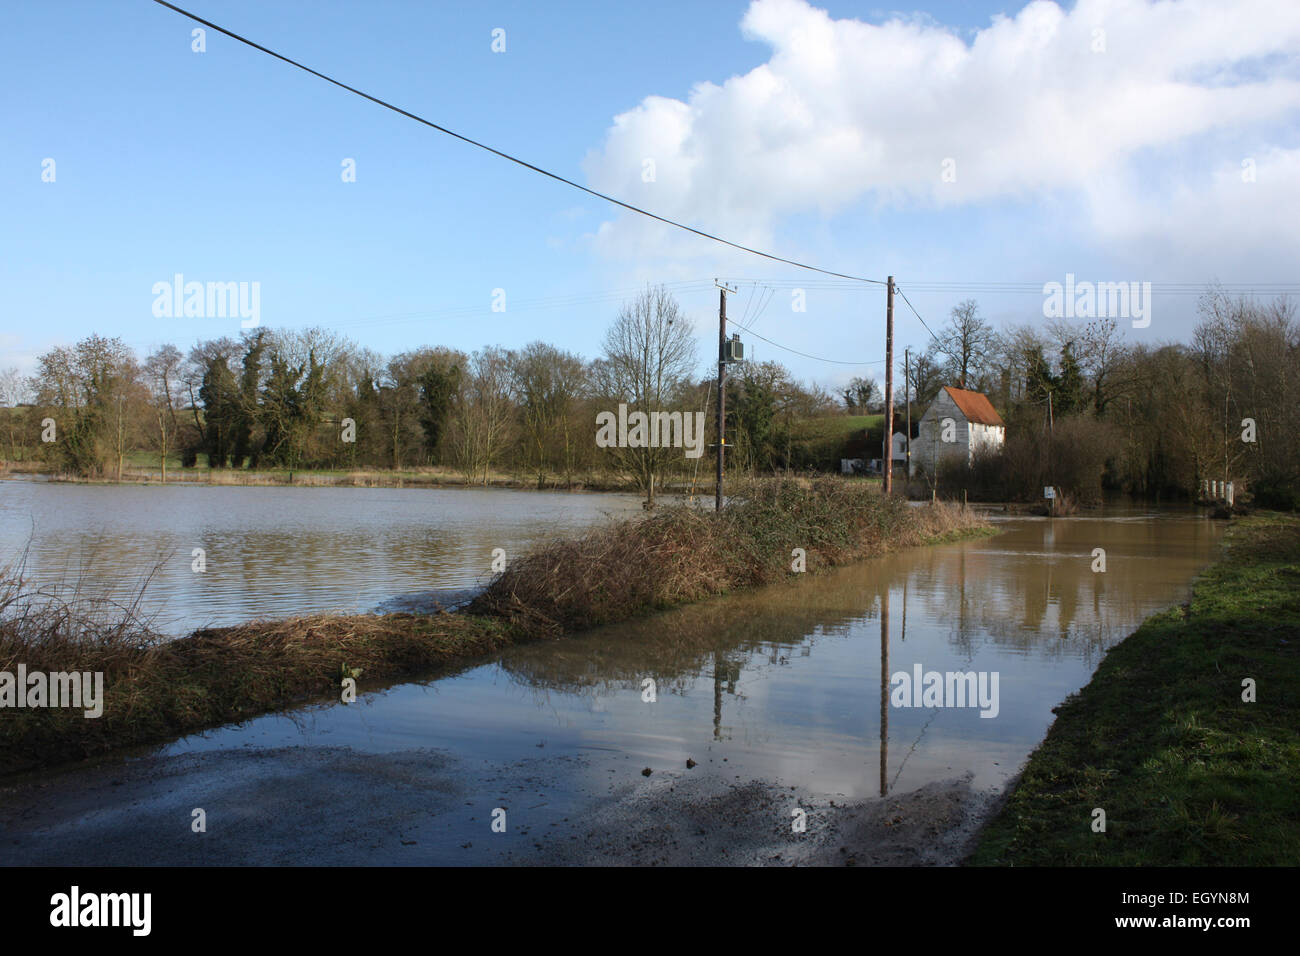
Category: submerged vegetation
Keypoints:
(1188, 771)
(155, 689)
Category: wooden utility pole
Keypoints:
(889, 386)
(722, 392)
(907, 400)
(1051, 454)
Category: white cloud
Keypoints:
(845, 110)
(1229, 210)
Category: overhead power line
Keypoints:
(496, 152)
(1030, 288)
(762, 291)
(1163, 288)
(816, 358)
(851, 281)
(914, 312)
(569, 301)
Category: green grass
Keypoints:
(149, 459)
(836, 426)
(1187, 773)
(820, 443)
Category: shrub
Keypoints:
(683, 553)
(1072, 458)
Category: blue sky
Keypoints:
(817, 131)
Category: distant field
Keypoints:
(821, 442)
(132, 460)
(836, 426)
(149, 459)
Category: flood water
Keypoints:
(785, 683)
(790, 685)
(275, 552)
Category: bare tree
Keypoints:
(926, 375)
(1214, 342)
(162, 376)
(968, 342)
(1103, 356)
(1249, 355)
(483, 411)
(13, 392)
(93, 389)
(649, 359)
(13, 388)
(548, 384)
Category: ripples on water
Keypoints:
(274, 552)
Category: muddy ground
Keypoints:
(335, 806)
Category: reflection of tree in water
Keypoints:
(1019, 592)
(1033, 589)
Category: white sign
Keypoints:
(1049, 492)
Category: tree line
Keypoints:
(1154, 419)
(311, 399)
(1151, 419)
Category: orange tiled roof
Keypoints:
(975, 406)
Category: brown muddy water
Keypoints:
(275, 551)
(781, 699)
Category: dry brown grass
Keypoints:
(414, 477)
(156, 690)
(683, 554)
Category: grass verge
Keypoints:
(1187, 773)
(156, 690)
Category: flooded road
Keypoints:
(785, 701)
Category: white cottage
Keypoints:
(955, 425)
(898, 452)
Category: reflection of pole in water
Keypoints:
(904, 637)
(884, 689)
(717, 697)
(961, 612)
(1047, 590)
(725, 675)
